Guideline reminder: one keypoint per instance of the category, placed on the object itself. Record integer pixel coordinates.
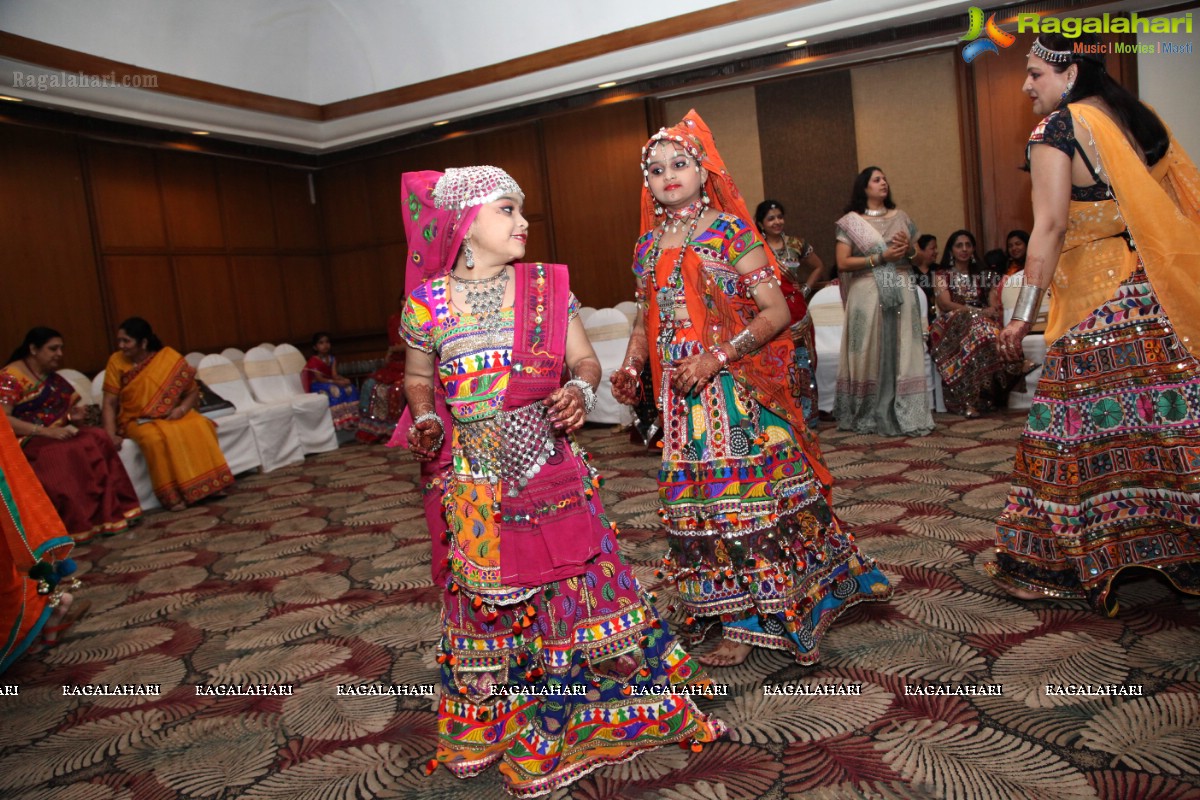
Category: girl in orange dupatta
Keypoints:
(1107, 474)
(753, 540)
(150, 394)
(33, 556)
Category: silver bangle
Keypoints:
(430, 416)
(744, 342)
(589, 393)
(1029, 303)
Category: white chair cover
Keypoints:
(1034, 344)
(81, 384)
(585, 313)
(608, 330)
(275, 434)
(131, 458)
(267, 346)
(314, 423)
(829, 317)
(932, 378)
(628, 308)
(193, 358)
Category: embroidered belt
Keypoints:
(509, 447)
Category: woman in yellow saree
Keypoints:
(150, 394)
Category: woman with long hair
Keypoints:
(805, 272)
(962, 339)
(1015, 247)
(881, 385)
(79, 466)
(1105, 479)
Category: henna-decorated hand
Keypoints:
(694, 373)
(626, 388)
(1008, 342)
(425, 439)
(567, 408)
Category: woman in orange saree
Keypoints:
(150, 394)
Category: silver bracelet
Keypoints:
(1029, 303)
(589, 394)
(744, 342)
(430, 416)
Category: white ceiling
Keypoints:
(323, 51)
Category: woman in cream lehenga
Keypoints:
(150, 395)
(1106, 478)
(881, 384)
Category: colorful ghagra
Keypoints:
(82, 475)
(343, 400)
(752, 537)
(382, 400)
(182, 455)
(964, 349)
(551, 671)
(32, 534)
(1107, 473)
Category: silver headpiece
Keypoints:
(1048, 55)
(461, 187)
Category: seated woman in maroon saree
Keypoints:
(79, 467)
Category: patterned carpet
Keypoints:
(319, 574)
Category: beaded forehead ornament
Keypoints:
(463, 187)
(1048, 55)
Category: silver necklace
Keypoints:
(485, 296)
(870, 212)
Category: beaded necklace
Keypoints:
(672, 295)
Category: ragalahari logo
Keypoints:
(995, 36)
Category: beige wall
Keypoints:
(906, 123)
(733, 119)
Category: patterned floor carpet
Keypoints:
(319, 574)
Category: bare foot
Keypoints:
(67, 613)
(727, 654)
(177, 507)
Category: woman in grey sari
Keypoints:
(881, 386)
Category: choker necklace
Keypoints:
(485, 296)
(675, 220)
(873, 213)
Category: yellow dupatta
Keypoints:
(1160, 206)
(151, 389)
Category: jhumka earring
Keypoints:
(1070, 86)
(658, 210)
(469, 254)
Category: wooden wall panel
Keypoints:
(358, 302)
(518, 151)
(297, 223)
(344, 205)
(594, 179)
(206, 303)
(392, 259)
(258, 302)
(191, 203)
(305, 296)
(383, 198)
(246, 204)
(144, 286)
(806, 129)
(125, 196)
(48, 264)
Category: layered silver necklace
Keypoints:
(486, 297)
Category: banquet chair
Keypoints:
(131, 458)
(266, 375)
(608, 330)
(235, 355)
(585, 313)
(829, 317)
(193, 358)
(81, 384)
(628, 308)
(1034, 344)
(933, 378)
(275, 435)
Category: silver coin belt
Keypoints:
(509, 447)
